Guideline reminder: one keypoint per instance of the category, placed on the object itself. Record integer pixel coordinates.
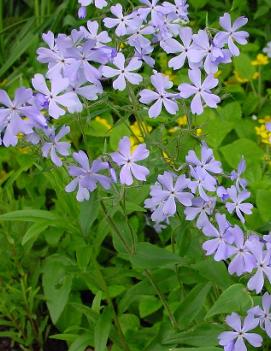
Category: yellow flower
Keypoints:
(262, 131)
(199, 132)
(137, 136)
(167, 158)
(239, 79)
(3, 83)
(260, 60)
(103, 122)
(173, 130)
(256, 75)
(20, 136)
(24, 150)
(182, 121)
(168, 73)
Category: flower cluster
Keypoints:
(87, 176)
(200, 192)
(257, 316)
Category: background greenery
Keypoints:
(67, 281)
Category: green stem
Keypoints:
(37, 11)
(116, 230)
(260, 81)
(123, 205)
(1, 29)
(134, 101)
(104, 287)
(162, 298)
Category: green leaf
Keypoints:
(102, 329)
(263, 204)
(56, 284)
(243, 66)
(100, 127)
(235, 298)
(213, 271)
(197, 349)
(129, 321)
(204, 335)
(89, 211)
(83, 256)
(19, 49)
(29, 216)
(231, 112)
(117, 133)
(81, 342)
(198, 4)
(148, 305)
(242, 147)
(191, 306)
(151, 256)
(33, 232)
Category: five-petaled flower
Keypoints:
(201, 91)
(160, 96)
(124, 73)
(127, 161)
(235, 340)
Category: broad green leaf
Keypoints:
(56, 284)
(151, 256)
(83, 256)
(263, 204)
(81, 342)
(197, 349)
(129, 321)
(216, 272)
(191, 306)
(243, 66)
(231, 112)
(242, 147)
(29, 216)
(204, 335)
(117, 133)
(101, 126)
(123, 234)
(89, 211)
(102, 329)
(148, 305)
(33, 232)
(235, 298)
(198, 4)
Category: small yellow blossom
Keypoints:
(199, 132)
(173, 130)
(167, 158)
(182, 121)
(262, 131)
(168, 73)
(3, 83)
(2, 174)
(260, 60)
(103, 122)
(24, 150)
(217, 74)
(20, 136)
(239, 79)
(256, 75)
(137, 136)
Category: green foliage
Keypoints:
(96, 274)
